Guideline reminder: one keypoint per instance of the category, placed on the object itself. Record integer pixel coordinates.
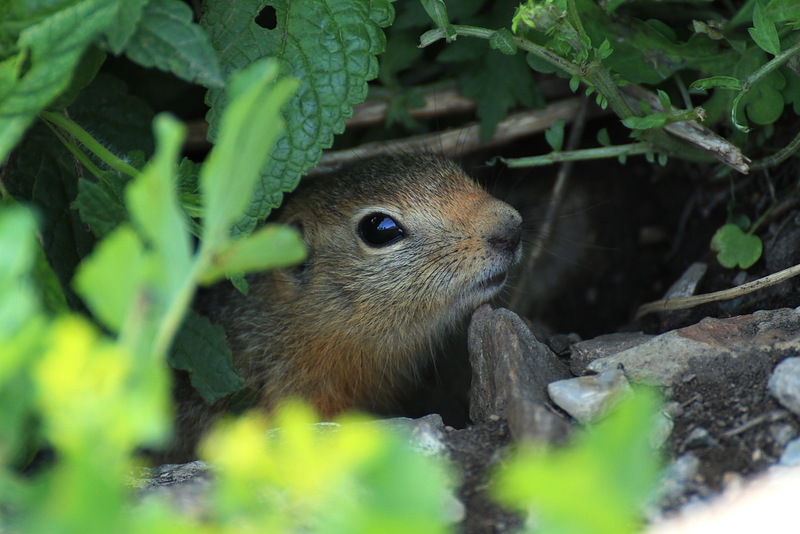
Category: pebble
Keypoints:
(587, 398)
(784, 384)
(791, 454)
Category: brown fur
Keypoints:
(354, 324)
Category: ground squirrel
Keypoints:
(401, 249)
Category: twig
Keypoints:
(460, 140)
(546, 230)
(693, 132)
(438, 103)
(682, 303)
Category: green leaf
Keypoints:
(649, 51)
(109, 279)
(555, 135)
(663, 99)
(200, 349)
(763, 31)
(84, 73)
(764, 103)
(43, 173)
(654, 120)
(247, 132)
(151, 201)
(723, 82)
(167, 38)
(329, 46)
(51, 50)
(437, 11)
(736, 248)
(17, 241)
(270, 247)
(611, 468)
(603, 137)
(783, 11)
(498, 83)
(126, 21)
(503, 41)
(122, 122)
(99, 207)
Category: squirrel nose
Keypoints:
(506, 235)
(507, 238)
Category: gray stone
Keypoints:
(510, 373)
(670, 357)
(784, 384)
(585, 352)
(791, 454)
(587, 398)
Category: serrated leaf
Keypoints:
(99, 207)
(649, 51)
(763, 31)
(109, 278)
(735, 248)
(271, 247)
(166, 38)
(52, 47)
(200, 349)
(43, 174)
(503, 41)
(82, 75)
(330, 47)
(119, 120)
(125, 23)
(498, 83)
(247, 131)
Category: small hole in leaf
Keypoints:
(267, 18)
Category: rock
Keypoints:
(784, 384)
(669, 358)
(791, 454)
(185, 487)
(587, 398)
(510, 373)
(426, 434)
(585, 352)
(677, 476)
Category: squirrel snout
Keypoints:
(506, 235)
(506, 239)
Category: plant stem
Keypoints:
(578, 155)
(77, 152)
(758, 75)
(778, 157)
(89, 142)
(432, 36)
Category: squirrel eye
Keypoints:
(379, 229)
